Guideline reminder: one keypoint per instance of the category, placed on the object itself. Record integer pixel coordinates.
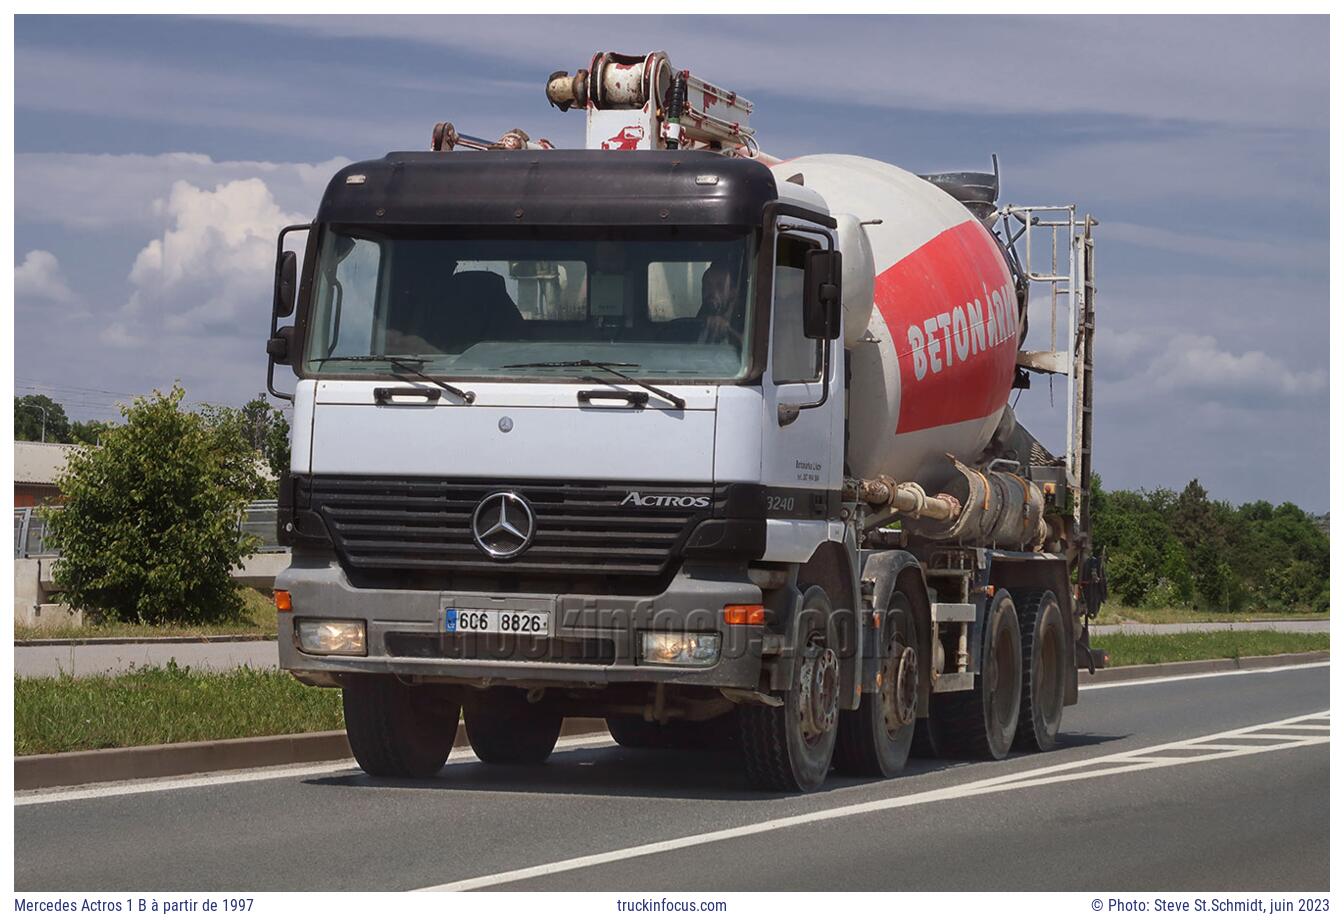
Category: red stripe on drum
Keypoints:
(952, 314)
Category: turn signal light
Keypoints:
(283, 603)
(744, 615)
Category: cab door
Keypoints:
(802, 450)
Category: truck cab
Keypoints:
(566, 425)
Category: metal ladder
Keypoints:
(1068, 268)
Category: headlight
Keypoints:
(691, 649)
(331, 637)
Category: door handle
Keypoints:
(636, 399)
(383, 395)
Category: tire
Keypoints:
(982, 723)
(1044, 660)
(783, 749)
(925, 743)
(504, 728)
(396, 730)
(876, 738)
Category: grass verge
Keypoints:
(163, 705)
(257, 619)
(1111, 614)
(1201, 646)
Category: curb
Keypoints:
(77, 768)
(146, 640)
(1207, 666)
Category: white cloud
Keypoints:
(39, 277)
(94, 191)
(1293, 255)
(1194, 369)
(209, 273)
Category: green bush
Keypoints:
(148, 528)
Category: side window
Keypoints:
(350, 289)
(674, 290)
(796, 359)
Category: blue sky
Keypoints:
(156, 157)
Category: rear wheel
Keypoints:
(1043, 670)
(788, 748)
(399, 730)
(982, 722)
(876, 738)
(503, 727)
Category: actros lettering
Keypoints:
(666, 501)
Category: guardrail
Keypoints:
(30, 530)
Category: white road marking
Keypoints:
(167, 784)
(1211, 674)
(1106, 765)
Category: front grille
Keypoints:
(423, 526)
(485, 647)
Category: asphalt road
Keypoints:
(80, 660)
(1245, 811)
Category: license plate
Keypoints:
(515, 622)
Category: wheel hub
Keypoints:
(819, 697)
(900, 686)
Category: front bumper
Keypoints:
(402, 621)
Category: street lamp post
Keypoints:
(43, 410)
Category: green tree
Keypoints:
(259, 429)
(90, 433)
(267, 432)
(149, 527)
(40, 418)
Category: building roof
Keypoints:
(39, 464)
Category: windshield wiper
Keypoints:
(410, 365)
(610, 368)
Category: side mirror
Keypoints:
(279, 346)
(286, 283)
(821, 294)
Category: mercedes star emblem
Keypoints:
(503, 525)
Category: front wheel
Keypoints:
(503, 727)
(399, 730)
(788, 748)
(876, 738)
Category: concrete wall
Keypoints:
(34, 603)
(36, 591)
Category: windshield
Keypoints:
(668, 304)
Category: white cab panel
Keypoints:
(547, 435)
(737, 437)
(301, 428)
(794, 540)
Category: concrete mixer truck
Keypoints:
(710, 444)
